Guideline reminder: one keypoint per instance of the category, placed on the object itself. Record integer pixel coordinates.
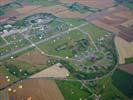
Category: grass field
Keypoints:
(70, 38)
(41, 2)
(123, 81)
(73, 22)
(94, 31)
(5, 72)
(2, 42)
(13, 46)
(129, 5)
(14, 37)
(72, 90)
(129, 60)
(31, 62)
(107, 90)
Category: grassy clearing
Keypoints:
(94, 31)
(72, 90)
(50, 46)
(73, 22)
(124, 82)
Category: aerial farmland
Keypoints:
(66, 49)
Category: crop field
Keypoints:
(124, 84)
(112, 20)
(101, 4)
(33, 58)
(31, 62)
(23, 66)
(35, 89)
(55, 71)
(104, 26)
(66, 50)
(72, 90)
(123, 49)
(127, 68)
(59, 11)
(40, 2)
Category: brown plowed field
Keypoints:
(3, 2)
(58, 10)
(55, 71)
(127, 68)
(3, 81)
(113, 20)
(33, 58)
(105, 26)
(124, 49)
(36, 89)
(93, 3)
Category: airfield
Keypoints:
(61, 44)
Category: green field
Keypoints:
(14, 46)
(14, 37)
(5, 49)
(124, 82)
(41, 2)
(129, 5)
(94, 31)
(72, 90)
(2, 42)
(1, 12)
(107, 90)
(68, 39)
(73, 22)
(37, 38)
(129, 60)
(5, 72)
